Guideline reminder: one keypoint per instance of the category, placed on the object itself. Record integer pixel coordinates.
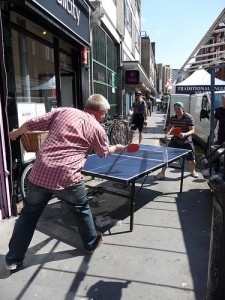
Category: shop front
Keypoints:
(44, 66)
(136, 79)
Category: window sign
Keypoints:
(27, 111)
(113, 83)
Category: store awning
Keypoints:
(144, 80)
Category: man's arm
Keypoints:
(215, 123)
(168, 130)
(189, 133)
(117, 147)
(145, 113)
(15, 133)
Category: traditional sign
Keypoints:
(194, 89)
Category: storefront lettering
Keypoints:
(71, 9)
(198, 89)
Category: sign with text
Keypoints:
(132, 77)
(73, 14)
(194, 89)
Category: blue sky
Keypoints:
(177, 26)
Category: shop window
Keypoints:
(34, 73)
(32, 27)
(137, 39)
(33, 48)
(128, 17)
(105, 66)
(65, 61)
(47, 55)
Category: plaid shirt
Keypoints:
(72, 135)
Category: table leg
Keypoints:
(132, 205)
(182, 174)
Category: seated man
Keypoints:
(185, 122)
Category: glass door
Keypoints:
(67, 81)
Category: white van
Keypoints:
(200, 109)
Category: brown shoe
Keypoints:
(100, 241)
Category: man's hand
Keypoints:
(120, 147)
(13, 135)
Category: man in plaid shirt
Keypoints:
(57, 171)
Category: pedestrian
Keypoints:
(73, 133)
(149, 106)
(139, 116)
(185, 122)
(219, 118)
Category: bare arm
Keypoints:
(168, 130)
(145, 113)
(189, 133)
(215, 123)
(117, 147)
(15, 133)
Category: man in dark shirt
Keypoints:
(219, 117)
(185, 122)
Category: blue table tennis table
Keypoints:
(125, 168)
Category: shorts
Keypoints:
(188, 146)
(138, 122)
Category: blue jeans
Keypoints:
(36, 200)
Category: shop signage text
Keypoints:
(194, 89)
(73, 14)
(70, 8)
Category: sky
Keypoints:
(177, 26)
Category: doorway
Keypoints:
(67, 88)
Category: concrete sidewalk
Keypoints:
(164, 258)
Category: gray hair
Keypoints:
(97, 102)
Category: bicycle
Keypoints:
(117, 129)
(19, 185)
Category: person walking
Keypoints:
(149, 106)
(139, 116)
(219, 118)
(183, 140)
(57, 171)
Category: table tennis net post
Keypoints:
(159, 155)
(165, 156)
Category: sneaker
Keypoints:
(194, 174)
(13, 266)
(100, 241)
(159, 176)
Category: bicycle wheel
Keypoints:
(24, 180)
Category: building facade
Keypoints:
(43, 65)
(56, 53)
(117, 24)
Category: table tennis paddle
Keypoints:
(133, 147)
(163, 141)
(176, 131)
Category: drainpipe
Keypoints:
(6, 207)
